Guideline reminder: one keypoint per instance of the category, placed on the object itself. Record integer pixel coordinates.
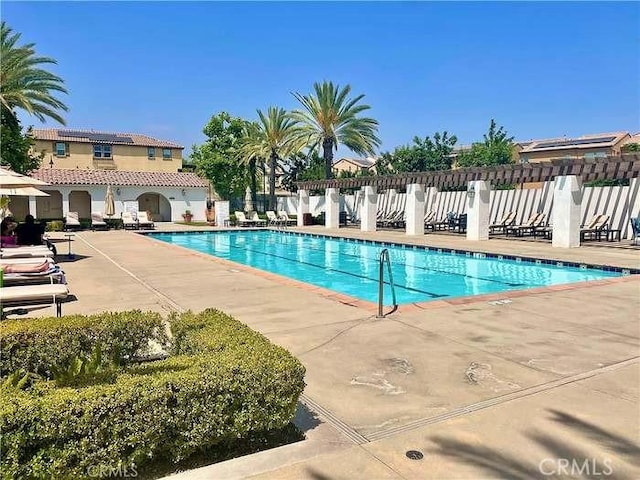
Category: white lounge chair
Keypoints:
(242, 220)
(274, 220)
(253, 217)
(40, 296)
(97, 222)
(27, 251)
(144, 222)
(52, 275)
(283, 215)
(72, 222)
(128, 222)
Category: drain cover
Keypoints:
(414, 455)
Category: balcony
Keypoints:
(104, 164)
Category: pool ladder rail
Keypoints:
(385, 258)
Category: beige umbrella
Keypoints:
(9, 178)
(109, 203)
(22, 192)
(248, 201)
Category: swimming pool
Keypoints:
(351, 266)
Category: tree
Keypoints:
(330, 118)
(23, 84)
(630, 147)
(15, 147)
(217, 158)
(275, 138)
(496, 149)
(423, 155)
(301, 167)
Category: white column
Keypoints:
(33, 207)
(332, 207)
(303, 205)
(65, 202)
(369, 209)
(478, 195)
(414, 209)
(567, 199)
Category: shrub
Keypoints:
(54, 226)
(225, 383)
(37, 344)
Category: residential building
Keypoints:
(354, 165)
(90, 149)
(143, 172)
(587, 146)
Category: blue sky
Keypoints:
(541, 69)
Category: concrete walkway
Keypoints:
(482, 390)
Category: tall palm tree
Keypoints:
(330, 118)
(23, 84)
(274, 139)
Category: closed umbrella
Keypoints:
(109, 204)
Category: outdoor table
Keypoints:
(69, 238)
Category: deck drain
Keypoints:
(414, 455)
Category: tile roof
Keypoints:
(59, 176)
(94, 136)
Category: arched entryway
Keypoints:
(49, 207)
(157, 205)
(80, 201)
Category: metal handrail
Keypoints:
(385, 258)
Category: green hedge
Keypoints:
(225, 382)
(36, 344)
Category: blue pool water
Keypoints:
(351, 267)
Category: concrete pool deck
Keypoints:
(481, 389)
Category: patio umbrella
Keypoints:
(9, 178)
(22, 192)
(109, 204)
(13, 184)
(248, 202)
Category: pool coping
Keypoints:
(628, 274)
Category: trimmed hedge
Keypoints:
(36, 344)
(225, 382)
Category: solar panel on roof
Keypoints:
(566, 143)
(109, 137)
(73, 133)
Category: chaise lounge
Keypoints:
(144, 221)
(128, 222)
(39, 296)
(507, 220)
(72, 222)
(97, 222)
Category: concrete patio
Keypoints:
(482, 390)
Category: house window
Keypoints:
(151, 153)
(166, 153)
(102, 151)
(61, 149)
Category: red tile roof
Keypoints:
(59, 176)
(95, 136)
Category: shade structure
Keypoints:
(9, 178)
(248, 201)
(109, 203)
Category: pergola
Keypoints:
(567, 174)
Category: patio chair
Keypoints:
(242, 220)
(71, 222)
(97, 222)
(144, 221)
(283, 215)
(528, 228)
(274, 220)
(40, 296)
(253, 217)
(128, 222)
(635, 230)
(506, 221)
(26, 251)
(429, 217)
(595, 228)
(52, 275)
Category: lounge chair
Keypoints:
(144, 221)
(128, 222)
(595, 228)
(27, 251)
(429, 217)
(283, 215)
(71, 222)
(25, 261)
(274, 220)
(242, 220)
(506, 221)
(528, 228)
(258, 222)
(33, 295)
(635, 230)
(97, 222)
(52, 275)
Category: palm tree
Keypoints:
(330, 117)
(23, 84)
(274, 138)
